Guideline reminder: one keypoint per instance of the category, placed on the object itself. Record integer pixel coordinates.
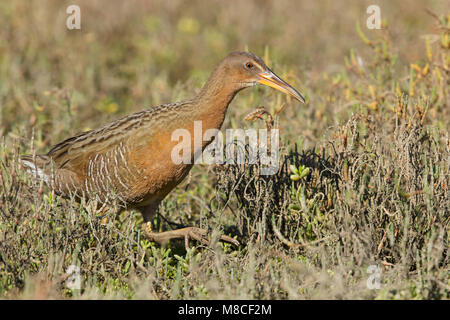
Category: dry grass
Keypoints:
(364, 169)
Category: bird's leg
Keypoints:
(186, 233)
(183, 233)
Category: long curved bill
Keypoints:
(270, 79)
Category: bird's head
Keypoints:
(246, 69)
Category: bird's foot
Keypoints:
(186, 233)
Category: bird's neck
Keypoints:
(213, 100)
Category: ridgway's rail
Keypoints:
(130, 159)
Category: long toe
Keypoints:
(198, 234)
(230, 240)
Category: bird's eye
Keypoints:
(249, 65)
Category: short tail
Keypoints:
(37, 165)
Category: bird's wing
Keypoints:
(76, 152)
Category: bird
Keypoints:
(129, 159)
